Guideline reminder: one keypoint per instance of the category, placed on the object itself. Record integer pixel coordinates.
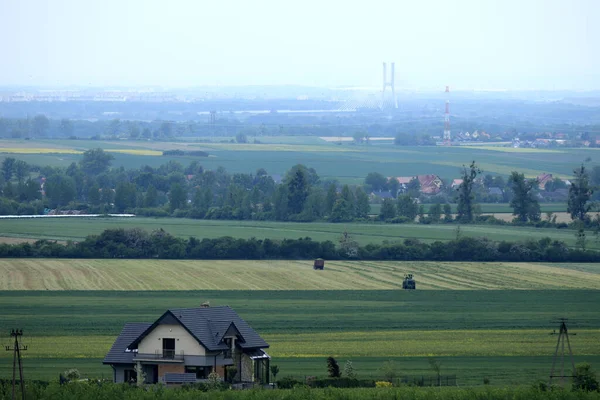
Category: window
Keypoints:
(201, 372)
(129, 375)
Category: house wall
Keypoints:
(169, 368)
(183, 341)
(119, 372)
(247, 369)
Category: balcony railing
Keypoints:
(164, 355)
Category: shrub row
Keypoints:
(137, 243)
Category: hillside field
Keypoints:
(363, 233)
(502, 335)
(68, 274)
(348, 163)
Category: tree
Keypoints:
(349, 370)
(466, 200)
(333, 368)
(388, 370)
(436, 366)
(447, 213)
(241, 138)
(60, 190)
(95, 161)
(330, 198)
(342, 211)
(40, 125)
(274, 371)
(421, 213)
(298, 188)
(407, 207)
(8, 168)
(580, 193)
(21, 170)
(363, 208)
(376, 181)
(151, 197)
(93, 195)
(314, 205)
(584, 378)
(393, 186)
(177, 197)
(358, 137)
(348, 196)
(125, 196)
(435, 212)
(66, 127)
(387, 211)
(414, 187)
(525, 206)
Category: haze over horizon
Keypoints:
(468, 44)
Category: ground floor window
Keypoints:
(261, 370)
(201, 372)
(129, 376)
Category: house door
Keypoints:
(168, 348)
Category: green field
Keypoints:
(68, 274)
(348, 163)
(364, 233)
(499, 334)
(493, 208)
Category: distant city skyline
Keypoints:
(467, 44)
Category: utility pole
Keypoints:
(563, 335)
(16, 349)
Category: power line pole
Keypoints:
(16, 349)
(563, 335)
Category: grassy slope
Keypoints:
(501, 334)
(57, 274)
(348, 163)
(77, 229)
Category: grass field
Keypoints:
(348, 163)
(57, 274)
(502, 335)
(364, 233)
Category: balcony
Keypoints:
(162, 356)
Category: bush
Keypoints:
(585, 379)
(340, 383)
(383, 384)
(288, 382)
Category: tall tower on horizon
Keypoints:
(447, 137)
(389, 83)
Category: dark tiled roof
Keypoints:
(130, 332)
(208, 324)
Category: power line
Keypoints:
(16, 349)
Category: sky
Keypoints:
(467, 44)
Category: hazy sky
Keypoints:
(512, 44)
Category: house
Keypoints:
(456, 183)
(185, 345)
(430, 184)
(543, 179)
(495, 191)
(381, 195)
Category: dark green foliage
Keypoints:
(585, 378)
(95, 161)
(580, 193)
(524, 204)
(298, 187)
(125, 196)
(333, 369)
(407, 207)
(388, 210)
(376, 181)
(60, 190)
(177, 197)
(466, 199)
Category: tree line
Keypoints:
(137, 243)
(92, 186)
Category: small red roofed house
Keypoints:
(430, 184)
